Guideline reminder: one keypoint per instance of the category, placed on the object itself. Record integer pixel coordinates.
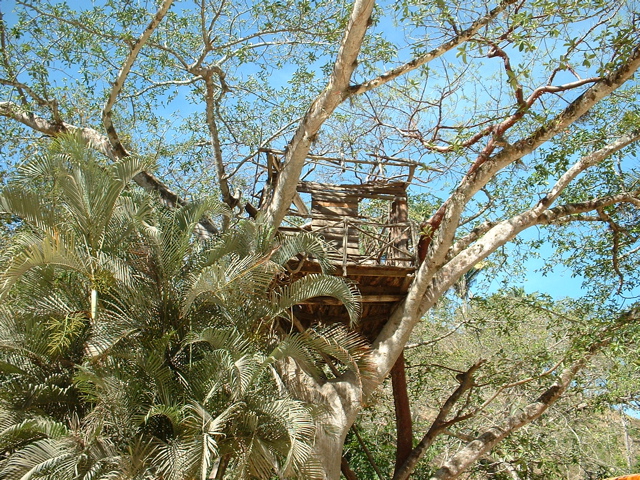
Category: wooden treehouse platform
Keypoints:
(381, 287)
(366, 223)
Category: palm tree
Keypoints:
(133, 349)
(75, 217)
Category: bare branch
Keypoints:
(74, 23)
(433, 54)
(471, 237)
(447, 217)
(440, 424)
(96, 140)
(212, 101)
(496, 51)
(615, 250)
(439, 272)
(433, 341)
(139, 93)
(482, 444)
(25, 89)
(571, 209)
(7, 63)
(122, 76)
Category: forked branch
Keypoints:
(116, 88)
(483, 444)
(418, 62)
(441, 423)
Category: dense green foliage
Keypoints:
(592, 433)
(132, 349)
(134, 345)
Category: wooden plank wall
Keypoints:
(330, 212)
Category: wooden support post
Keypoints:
(345, 242)
(404, 423)
(398, 235)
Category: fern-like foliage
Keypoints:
(132, 348)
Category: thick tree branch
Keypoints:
(491, 437)
(433, 277)
(440, 424)
(404, 423)
(122, 76)
(324, 105)
(96, 140)
(24, 89)
(447, 218)
(100, 143)
(571, 209)
(212, 101)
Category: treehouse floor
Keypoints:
(381, 287)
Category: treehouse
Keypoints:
(364, 218)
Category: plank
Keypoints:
(363, 299)
(366, 190)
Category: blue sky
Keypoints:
(558, 283)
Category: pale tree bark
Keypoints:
(100, 143)
(470, 453)
(340, 400)
(479, 447)
(109, 144)
(116, 88)
(498, 235)
(339, 89)
(448, 256)
(320, 110)
(438, 272)
(212, 102)
(418, 62)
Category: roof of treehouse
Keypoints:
(360, 208)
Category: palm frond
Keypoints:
(240, 280)
(42, 458)
(29, 207)
(317, 285)
(299, 427)
(348, 347)
(305, 243)
(248, 238)
(220, 338)
(64, 330)
(19, 432)
(50, 251)
(296, 348)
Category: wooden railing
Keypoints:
(362, 241)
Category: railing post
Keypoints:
(345, 243)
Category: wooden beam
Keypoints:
(366, 190)
(363, 299)
(359, 270)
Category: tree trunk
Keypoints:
(339, 401)
(328, 448)
(346, 470)
(404, 427)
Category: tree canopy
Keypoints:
(519, 115)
